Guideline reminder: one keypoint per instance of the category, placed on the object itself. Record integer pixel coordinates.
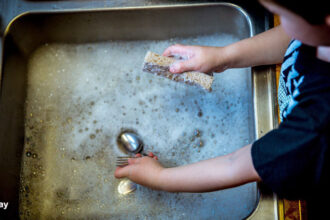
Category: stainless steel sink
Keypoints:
(31, 30)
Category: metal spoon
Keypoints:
(130, 142)
(126, 186)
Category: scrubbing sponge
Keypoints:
(159, 65)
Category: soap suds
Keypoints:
(81, 96)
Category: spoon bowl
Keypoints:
(130, 142)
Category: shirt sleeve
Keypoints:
(293, 160)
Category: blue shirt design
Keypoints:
(290, 80)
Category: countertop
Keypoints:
(293, 209)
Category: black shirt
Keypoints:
(293, 160)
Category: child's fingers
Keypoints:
(121, 172)
(150, 154)
(131, 161)
(176, 49)
(183, 66)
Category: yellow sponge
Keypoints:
(159, 65)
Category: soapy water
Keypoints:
(81, 96)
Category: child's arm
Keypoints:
(218, 173)
(265, 48)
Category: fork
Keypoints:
(122, 161)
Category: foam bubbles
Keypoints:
(80, 97)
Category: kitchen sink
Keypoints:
(71, 81)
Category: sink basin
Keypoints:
(63, 103)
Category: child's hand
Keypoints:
(197, 58)
(142, 170)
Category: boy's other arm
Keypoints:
(209, 175)
(266, 48)
(263, 49)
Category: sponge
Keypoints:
(159, 65)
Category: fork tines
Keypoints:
(122, 161)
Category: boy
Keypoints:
(292, 160)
